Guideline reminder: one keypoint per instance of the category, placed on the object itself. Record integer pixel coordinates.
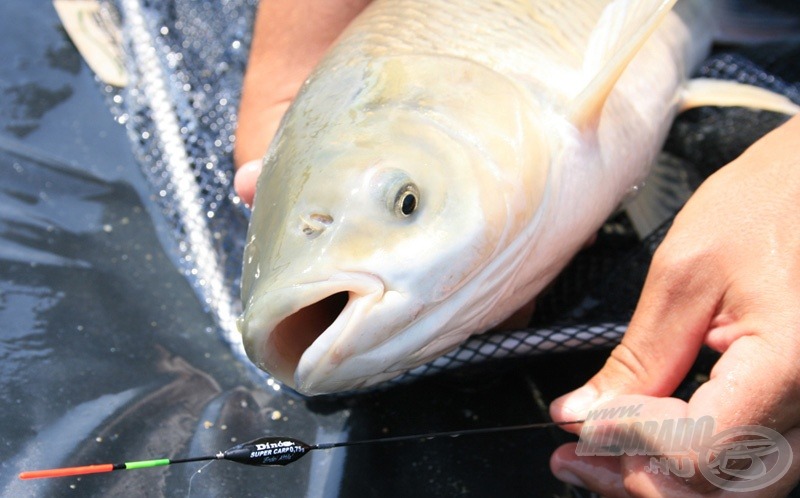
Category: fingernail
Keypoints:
(568, 477)
(244, 181)
(253, 165)
(576, 404)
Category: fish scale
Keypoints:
(529, 43)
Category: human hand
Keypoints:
(289, 38)
(727, 275)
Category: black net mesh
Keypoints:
(186, 61)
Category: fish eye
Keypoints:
(395, 189)
(406, 200)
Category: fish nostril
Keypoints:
(314, 224)
(324, 219)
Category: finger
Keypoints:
(664, 335)
(638, 465)
(628, 425)
(790, 481)
(751, 385)
(607, 477)
(289, 38)
(638, 482)
(626, 477)
(245, 181)
(258, 123)
(600, 474)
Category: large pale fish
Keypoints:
(441, 165)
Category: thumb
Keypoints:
(244, 183)
(663, 339)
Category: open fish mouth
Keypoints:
(303, 332)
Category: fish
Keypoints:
(443, 163)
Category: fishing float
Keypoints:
(273, 451)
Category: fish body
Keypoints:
(441, 165)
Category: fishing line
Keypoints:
(195, 474)
(273, 450)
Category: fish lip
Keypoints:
(364, 289)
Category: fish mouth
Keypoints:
(300, 333)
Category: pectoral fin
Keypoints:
(665, 190)
(621, 31)
(724, 93)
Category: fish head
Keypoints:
(382, 197)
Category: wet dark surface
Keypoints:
(107, 354)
